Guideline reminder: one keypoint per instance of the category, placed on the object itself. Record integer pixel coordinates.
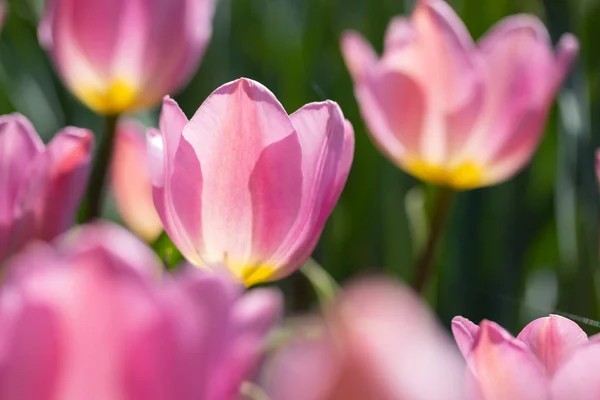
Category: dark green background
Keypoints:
(513, 252)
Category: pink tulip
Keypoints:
(40, 187)
(378, 341)
(551, 358)
(117, 55)
(92, 318)
(451, 112)
(3, 12)
(244, 184)
(131, 183)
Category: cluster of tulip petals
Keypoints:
(243, 190)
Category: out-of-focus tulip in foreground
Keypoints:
(40, 186)
(131, 183)
(92, 318)
(117, 55)
(451, 112)
(244, 184)
(378, 341)
(551, 358)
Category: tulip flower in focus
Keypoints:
(118, 56)
(93, 318)
(452, 112)
(244, 184)
(551, 358)
(378, 341)
(131, 183)
(40, 186)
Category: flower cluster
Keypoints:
(243, 190)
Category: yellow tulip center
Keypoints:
(466, 175)
(117, 97)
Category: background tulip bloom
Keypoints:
(91, 319)
(451, 112)
(551, 358)
(40, 186)
(246, 185)
(119, 55)
(378, 341)
(131, 183)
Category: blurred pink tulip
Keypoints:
(551, 358)
(378, 341)
(451, 112)
(117, 55)
(246, 185)
(93, 319)
(131, 183)
(3, 11)
(40, 187)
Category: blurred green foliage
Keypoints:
(512, 252)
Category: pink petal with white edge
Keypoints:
(465, 332)
(251, 162)
(169, 177)
(501, 367)
(553, 340)
(579, 377)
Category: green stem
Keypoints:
(96, 188)
(424, 264)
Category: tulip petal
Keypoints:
(162, 151)
(465, 332)
(358, 54)
(520, 82)
(95, 27)
(439, 34)
(68, 159)
(501, 367)
(579, 377)
(19, 146)
(305, 369)
(388, 329)
(327, 147)
(29, 367)
(393, 105)
(124, 251)
(252, 318)
(567, 50)
(247, 147)
(131, 183)
(399, 33)
(553, 340)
